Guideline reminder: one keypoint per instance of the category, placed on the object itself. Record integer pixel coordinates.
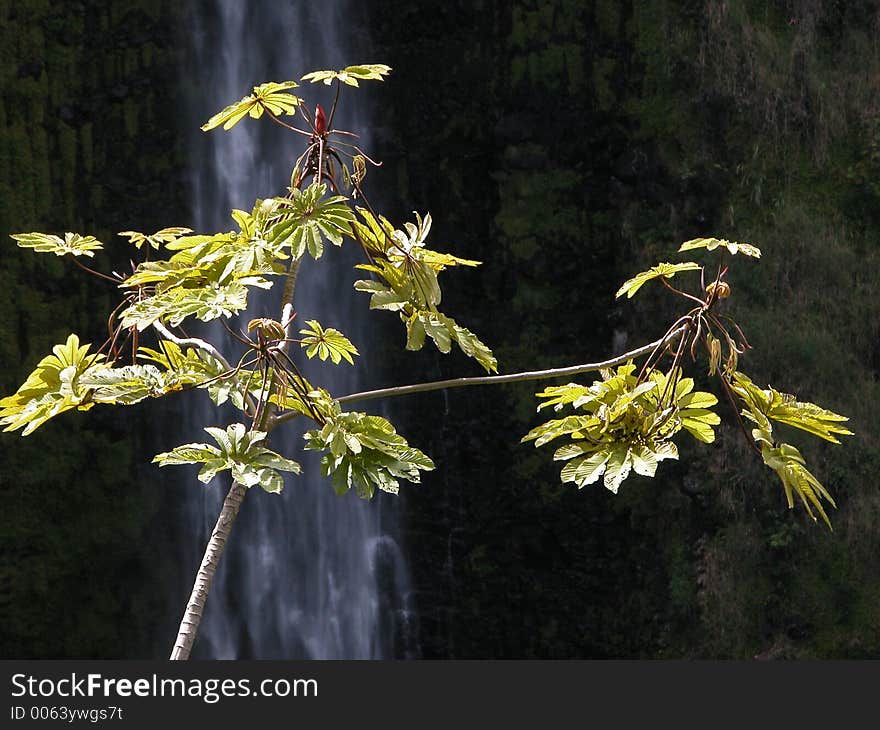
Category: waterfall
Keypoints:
(306, 574)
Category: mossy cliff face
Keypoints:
(569, 145)
(87, 144)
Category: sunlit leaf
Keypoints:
(710, 244)
(784, 408)
(308, 219)
(205, 303)
(789, 465)
(350, 74)
(664, 270)
(265, 97)
(364, 453)
(52, 388)
(157, 239)
(327, 343)
(240, 451)
(72, 243)
(623, 424)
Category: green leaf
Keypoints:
(420, 315)
(762, 405)
(265, 97)
(205, 303)
(664, 270)
(241, 451)
(52, 388)
(710, 244)
(698, 422)
(72, 243)
(350, 74)
(126, 385)
(586, 470)
(195, 367)
(624, 424)
(155, 240)
(617, 468)
(644, 461)
(562, 395)
(697, 399)
(327, 343)
(305, 221)
(789, 465)
(365, 453)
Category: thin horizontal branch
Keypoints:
(499, 379)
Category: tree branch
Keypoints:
(499, 379)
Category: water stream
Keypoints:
(306, 574)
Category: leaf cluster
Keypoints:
(763, 406)
(623, 424)
(209, 276)
(407, 283)
(239, 450)
(350, 75)
(364, 452)
(71, 378)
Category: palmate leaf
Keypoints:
(52, 388)
(398, 295)
(155, 240)
(205, 303)
(664, 270)
(73, 378)
(411, 243)
(327, 343)
(306, 220)
(444, 331)
(221, 258)
(623, 424)
(270, 96)
(375, 233)
(350, 74)
(789, 465)
(408, 284)
(762, 405)
(710, 244)
(72, 243)
(365, 453)
(125, 385)
(240, 451)
(199, 368)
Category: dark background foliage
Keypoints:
(567, 145)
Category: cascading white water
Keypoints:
(306, 574)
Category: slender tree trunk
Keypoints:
(192, 616)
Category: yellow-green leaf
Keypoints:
(710, 244)
(72, 243)
(350, 74)
(664, 270)
(269, 96)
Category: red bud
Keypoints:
(320, 120)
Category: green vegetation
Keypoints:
(592, 137)
(629, 419)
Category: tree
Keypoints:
(623, 422)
